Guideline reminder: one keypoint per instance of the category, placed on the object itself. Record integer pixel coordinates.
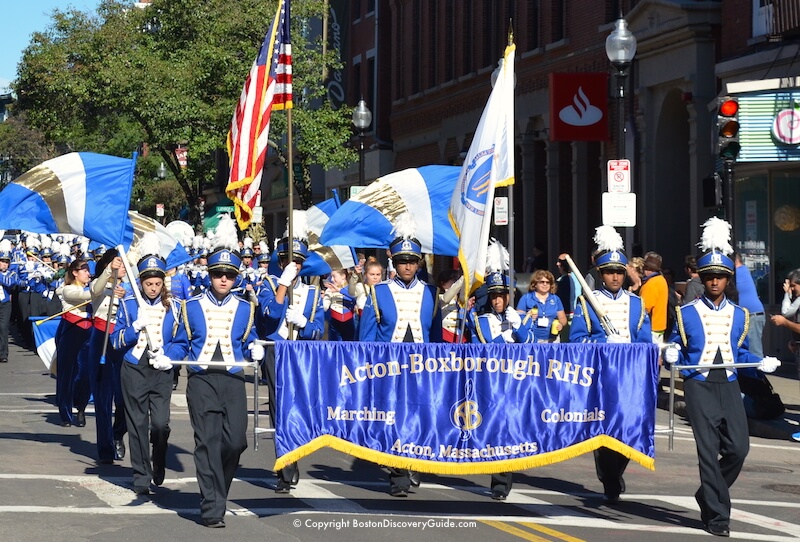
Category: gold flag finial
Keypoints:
(510, 31)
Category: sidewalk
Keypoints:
(784, 382)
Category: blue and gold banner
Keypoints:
(465, 409)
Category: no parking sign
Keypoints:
(619, 176)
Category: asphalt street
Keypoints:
(51, 487)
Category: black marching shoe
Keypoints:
(398, 491)
(415, 478)
(718, 530)
(282, 487)
(214, 523)
(158, 474)
(119, 449)
(142, 491)
(3, 360)
(80, 419)
(499, 495)
(66, 423)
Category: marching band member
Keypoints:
(339, 307)
(72, 377)
(403, 309)
(104, 373)
(216, 326)
(291, 310)
(450, 283)
(629, 318)
(708, 331)
(9, 280)
(146, 386)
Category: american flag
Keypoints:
(268, 87)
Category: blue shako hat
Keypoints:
(263, 257)
(247, 252)
(152, 266)
(715, 244)
(497, 282)
(299, 249)
(715, 263)
(612, 260)
(406, 249)
(223, 259)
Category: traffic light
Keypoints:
(712, 191)
(728, 146)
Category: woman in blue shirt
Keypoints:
(545, 309)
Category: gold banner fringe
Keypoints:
(484, 467)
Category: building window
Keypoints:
(416, 53)
(433, 39)
(558, 21)
(450, 42)
(466, 40)
(533, 25)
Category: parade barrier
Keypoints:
(465, 409)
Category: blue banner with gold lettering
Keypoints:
(465, 409)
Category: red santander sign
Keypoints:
(579, 106)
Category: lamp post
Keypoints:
(161, 171)
(362, 118)
(621, 48)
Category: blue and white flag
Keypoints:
(488, 164)
(170, 249)
(83, 193)
(323, 259)
(45, 336)
(366, 219)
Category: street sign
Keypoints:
(619, 176)
(501, 211)
(619, 210)
(182, 155)
(159, 209)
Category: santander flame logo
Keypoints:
(581, 112)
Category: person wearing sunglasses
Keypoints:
(543, 306)
(216, 326)
(291, 310)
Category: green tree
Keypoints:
(172, 74)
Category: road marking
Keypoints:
(519, 533)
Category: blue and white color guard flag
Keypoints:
(83, 193)
(170, 249)
(325, 258)
(45, 336)
(366, 219)
(489, 164)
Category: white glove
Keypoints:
(140, 323)
(29, 266)
(513, 317)
(294, 315)
(203, 273)
(161, 362)
(769, 364)
(256, 352)
(508, 336)
(250, 273)
(47, 273)
(670, 354)
(616, 338)
(288, 275)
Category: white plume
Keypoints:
(149, 245)
(404, 226)
(299, 225)
(264, 247)
(5, 245)
(46, 241)
(33, 242)
(197, 242)
(225, 234)
(63, 250)
(247, 242)
(496, 257)
(716, 236)
(56, 247)
(607, 238)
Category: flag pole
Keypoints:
(290, 238)
(512, 290)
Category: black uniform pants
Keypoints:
(719, 423)
(610, 467)
(290, 473)
(146, 392)
(218, 411)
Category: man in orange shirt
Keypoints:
(655, 294)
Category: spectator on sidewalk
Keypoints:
(655, 294)
(748, 298)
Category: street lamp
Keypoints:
(162, 171)
(621, 48)
(362, 118)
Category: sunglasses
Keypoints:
(83, 268)
(230, 275)
(543, 282)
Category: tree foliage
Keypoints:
(171, 74)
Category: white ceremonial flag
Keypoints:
(488, 164)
